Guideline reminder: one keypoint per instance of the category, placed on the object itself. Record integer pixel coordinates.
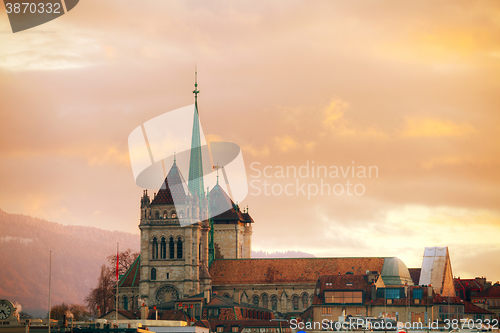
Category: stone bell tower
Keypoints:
(175, 232)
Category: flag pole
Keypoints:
(117, 276)
(50, 278)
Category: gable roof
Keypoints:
(287, 270)
(126, 313)
(224, 210)
(173, 188)
(132, 276)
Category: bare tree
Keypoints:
(103, 296)
(126, 260)
(77, 311)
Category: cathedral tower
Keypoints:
(174, 255)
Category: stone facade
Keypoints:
(283, 298)
(174, 245)
(233, 241)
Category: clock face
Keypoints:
(5, 310)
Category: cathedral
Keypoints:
(196, 240)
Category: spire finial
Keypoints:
(174, 157)
(217, 167)
(196, 91)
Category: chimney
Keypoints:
(236, 297)
(144, 312)
(429, 291)
(206, 295)
(374, 292)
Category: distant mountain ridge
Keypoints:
(280, 254)
(77, 255)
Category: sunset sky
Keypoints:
(409, 87)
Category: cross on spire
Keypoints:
(195, 91)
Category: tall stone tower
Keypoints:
(174, 255)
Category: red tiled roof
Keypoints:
(126, 313)
(169, 315)
(493, 291)
(202, 323)
(438, 299)
(471, 308)
(172, 188)
(467, 284)
(415, 275)
(132, 276)
(287, 270)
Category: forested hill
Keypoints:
(77, 255)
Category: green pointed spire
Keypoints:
(195, 181)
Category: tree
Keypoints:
(126, 260)
(103, 296)
(77, 311)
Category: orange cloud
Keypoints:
(285, 143)
(429, 127)
(256, 152)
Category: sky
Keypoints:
(408, 90)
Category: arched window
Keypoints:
(295, 301)
(255, 300)
(125, 303)
(265, 301)
(171, 248)
(153, 273)
(174, 214)
(305, 301)
(157, 215)
(164, 214)
(179, 248)
(274, 303)
(154, 250)
(163, 248)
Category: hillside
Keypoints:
(77, 255)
